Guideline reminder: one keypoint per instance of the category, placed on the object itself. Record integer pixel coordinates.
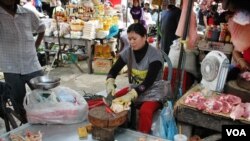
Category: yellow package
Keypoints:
(82, 132)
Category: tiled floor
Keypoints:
(71, 77)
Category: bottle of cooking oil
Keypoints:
(98, 50)
(106, 50)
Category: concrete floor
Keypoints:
(81, 82)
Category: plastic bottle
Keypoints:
(106, 50)
(215, 34)
(98, 50)
(228, 37)
(209, 33)
(222, 35)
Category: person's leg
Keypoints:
(18, 92)
(146, 113)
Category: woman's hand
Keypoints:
(244, 65)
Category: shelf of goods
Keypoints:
(193, 113)
(205, 45)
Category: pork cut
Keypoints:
(213, 106)
(196, 99)
(246, 75)
(246, 111)
(237, 111)
(231, 99)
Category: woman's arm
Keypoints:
(119, 64)
(39, 39)
(237, 56)
(205, 20)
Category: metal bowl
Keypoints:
(45, 82)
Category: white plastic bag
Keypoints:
(174, 52)
(61, 106)
(190, 61)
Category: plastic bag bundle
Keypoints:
(190, 61)
(61, 105)
(166, 125)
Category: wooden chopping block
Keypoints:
(103, 134)
(100, 118)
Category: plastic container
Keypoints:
(209, 32)
(222, 35)
(215, 34)
(180, 137)
(98, 50)
(106, 50)
(228, 37)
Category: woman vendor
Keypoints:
(239, 28)
(243, 63)
(145, 63)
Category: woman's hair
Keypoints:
(136, 1)
(137, 28)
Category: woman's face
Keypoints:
(136, 41)
(135, 3)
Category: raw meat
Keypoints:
(192, 33)
(196, 99)
(246, 75)
(231, 99)
(226, 107)
(246, 111)
(213, 106)
(237, 111)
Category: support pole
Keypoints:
(182, 51)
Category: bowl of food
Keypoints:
(45, 82)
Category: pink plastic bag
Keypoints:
(61, 106)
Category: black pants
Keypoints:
(18, 90)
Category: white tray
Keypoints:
(69, 133)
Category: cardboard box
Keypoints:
(102, 66)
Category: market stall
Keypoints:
(100, 124)
(193, 114)
(72, 42)
(79, 25)
(188, 109)
(215, 101)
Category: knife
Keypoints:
(108, 100)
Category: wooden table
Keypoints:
(232, 88)
(193, 117)
(72, 42)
